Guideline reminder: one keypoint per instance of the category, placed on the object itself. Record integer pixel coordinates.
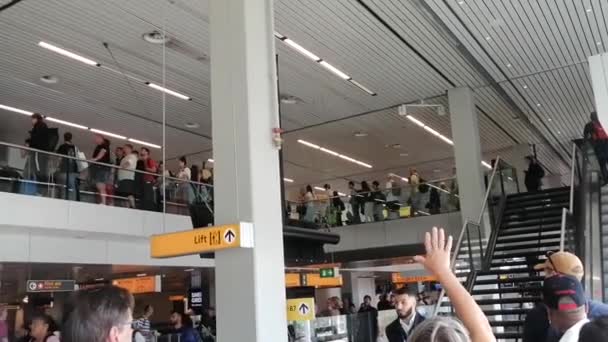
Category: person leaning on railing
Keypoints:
(439, 329)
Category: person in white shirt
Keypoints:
(185, 192)
(126, 175)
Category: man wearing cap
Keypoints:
(537, 327)
(565, 300)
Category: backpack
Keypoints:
(52, 139)
(598, 132)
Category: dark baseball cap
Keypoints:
(561, 286)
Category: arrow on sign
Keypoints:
(229, 236)
(303, 309)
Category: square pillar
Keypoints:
(250, 283)
(467, 152)
(598, 67)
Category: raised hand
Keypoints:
(437, 258)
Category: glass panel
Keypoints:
(320, 209)
(33, 172)
(359, 327)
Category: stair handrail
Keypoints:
(570, 209)
(458, 245)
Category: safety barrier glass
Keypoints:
(71, 177)
(389, 201)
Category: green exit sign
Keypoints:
(327, 272)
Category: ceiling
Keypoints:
(525, 60)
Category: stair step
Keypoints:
(506, 312)
(534, 222)
(534, 208)
(519, 255)
(517, 263)
(508, 336)
(509, 280)
(540, 194)
(546, 212)
(518, 300)
(503, 271)
(552, 244)
(506, 323)
(502, 240)
(529, 230)
(528, 289)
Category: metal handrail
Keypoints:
(572, 170)
(112, 166)
(458, 245)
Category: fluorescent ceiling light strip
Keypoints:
(301, 49)
(108, 134)
(333, 153)
(416, 121)
(341, 194)
(402, 178)
(288, 180)
(362, 87)
(67, 123)
(68, 53)
(319, 188)
(432, 131)
(16, 110)
(144, 143)
(334, 70)
(168, 91)
(279, 36)
(447, 140)
(309, 144)
(486, 164)
(211, 160)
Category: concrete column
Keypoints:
(250, 283)
(598, 67)
(467, 152)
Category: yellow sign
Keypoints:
(139, 284)
(203, 240)
(292, 280)
(397, 278)
(301, 309)
(314, 279)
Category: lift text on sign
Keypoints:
(203, 240)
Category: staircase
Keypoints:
(530, 227)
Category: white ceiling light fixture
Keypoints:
(341, 194)
(141, 275)
(589, 10)
(168, 91)
(144, 143)
(68, 54)
(360, 134)
(333, 153)
(486, 164)
(430, 130)
(308, 54)
(319, 188)
(301, 49)
(67, 123)
(117, 136)
(16, 110)
(288, 180)
(335, 70)
(402, 178)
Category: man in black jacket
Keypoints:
(407, 317)
(39, 139)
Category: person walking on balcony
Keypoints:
(379, 201)
(393, 194)
(414, 181)
(100, 173)
(126, 175)
(68, 169)
(534, 175)
(354, 204)
(368, 202)
(39, 139)
(338, 207)
(594, 133)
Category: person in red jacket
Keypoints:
(595, 133)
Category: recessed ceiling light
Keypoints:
(538, 105)
(558, 132)
(168, 91)
(525, 86)
(549, 119)
(461, 2)
(49, 79)
(360, 134)
(508, 65)
(436, 170)
(192, 125)
(156, 37)
(68, 54)
(589, 10)
(288, 180)
(599, 43)
(394, 146)
(405, 154)
(189, 270)
(290, 99)
(333, 153)
(488, 38)
(141, 275)
(211, 160)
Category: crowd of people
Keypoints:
(129, 173)
(370, 203)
